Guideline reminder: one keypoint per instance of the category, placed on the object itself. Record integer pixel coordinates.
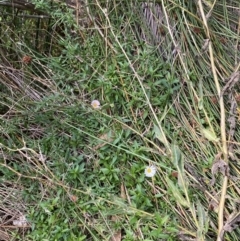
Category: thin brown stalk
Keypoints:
(223, 127)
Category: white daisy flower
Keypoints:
(150, 171)
(95, 104)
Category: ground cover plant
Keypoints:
(119, 120)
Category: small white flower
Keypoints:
(95, 104)
(150, 171)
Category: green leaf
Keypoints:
(177, 158)
(203, 221)
(178, 161)
(176, 193)
(211, 136)
(105, 171)
(159, 134)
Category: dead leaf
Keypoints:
(185, 237)
(232, 117)
(26, 59)
(123, 192)
(174, 174)
(20, 222)
(205, 45)
(219, 165)
(231, 81)
(197, 30)
(214, 204)
(232, 222)
(73, 198)
(117, 236)
(4, 236)
(232, 125)
(104, 139)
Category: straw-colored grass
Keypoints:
(166, 74)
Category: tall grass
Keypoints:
(158, 69)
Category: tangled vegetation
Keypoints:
(119, 120)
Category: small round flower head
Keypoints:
(95, 104)
(150, 171)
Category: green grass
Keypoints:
(77, 173)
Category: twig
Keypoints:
(98, 28)
(223, 127)
(29, 16)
